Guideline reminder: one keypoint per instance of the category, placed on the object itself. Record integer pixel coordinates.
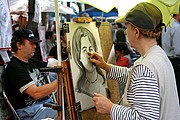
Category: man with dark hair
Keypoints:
(50, 41)
(23, 83)
(119, 34)
(53, 51)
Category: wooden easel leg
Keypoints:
(69, 91)
(73, 108)
(59, 94)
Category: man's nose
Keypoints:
(34, 45)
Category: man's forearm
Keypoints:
(38, 92)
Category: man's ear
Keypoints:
(18, 44)
(137, 32)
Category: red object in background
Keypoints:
(123, 61)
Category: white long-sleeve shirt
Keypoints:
(171, 39)
(152, 92)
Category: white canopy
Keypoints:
(46, 6)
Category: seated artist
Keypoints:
(23, 83)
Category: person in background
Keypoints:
(64, 53)
(170, 44)
(53, 26)
(150, 92)
(119, 34)
(23, 83)
(123, 54)
(53, 52)
(50, 41)
(123, 60)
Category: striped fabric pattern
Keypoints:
(143, 94)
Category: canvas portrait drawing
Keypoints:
(87, 78)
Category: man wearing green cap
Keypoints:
(150, 92)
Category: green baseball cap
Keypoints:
(144, 16)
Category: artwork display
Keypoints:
(87, 78)
(41, 31)
(5, 26)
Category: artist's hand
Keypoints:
(98, 60)
(103, 105)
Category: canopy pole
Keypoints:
(58, 32)
(61, 114)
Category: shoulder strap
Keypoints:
(123, 99)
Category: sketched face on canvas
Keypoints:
(91, 78)
(84, 58)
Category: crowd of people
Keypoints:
(150, 86)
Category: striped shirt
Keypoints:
(151, 92)
(142, 94)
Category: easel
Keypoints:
(63, 75)
(106, 43)
(73, 107)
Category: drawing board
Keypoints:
(87, 78)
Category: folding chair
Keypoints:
(6, 59)
(16, 117)
(47, 78)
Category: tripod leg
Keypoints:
(59, 94)
(69, 92)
